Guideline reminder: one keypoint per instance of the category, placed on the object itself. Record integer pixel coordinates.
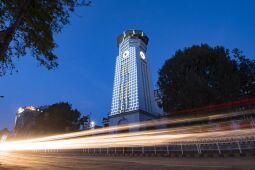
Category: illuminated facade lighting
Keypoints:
(132, 89)
(20, 110)
(25, 117)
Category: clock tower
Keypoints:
(133, 99)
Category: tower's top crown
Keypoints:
(132, 34)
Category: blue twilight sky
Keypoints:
(87, 49)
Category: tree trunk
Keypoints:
(7, 35)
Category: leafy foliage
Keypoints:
(246, 70)
(30, 24)
(58, 118)
(202, 75)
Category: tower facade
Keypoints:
(133, 98)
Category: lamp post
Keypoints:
(92, 124)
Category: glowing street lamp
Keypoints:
(92, 124)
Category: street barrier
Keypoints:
(201, 148)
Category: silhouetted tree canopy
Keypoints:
(30, 24)
(246, 70)
(58, 118)
(85, 121)
(201, 75)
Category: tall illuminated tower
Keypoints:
(133, 98)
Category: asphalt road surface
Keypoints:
(21, 161)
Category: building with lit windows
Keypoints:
(133, 98)
(25, 119)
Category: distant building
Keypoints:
(25, 119)
(4, 135)
(133, 99)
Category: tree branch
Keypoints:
(7, 35)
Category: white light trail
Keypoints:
(106, 138)
(143, 138)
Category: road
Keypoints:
(75, 161)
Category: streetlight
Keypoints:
(92, 124)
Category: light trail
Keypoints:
(143, 138)
(156, 123)
(106, 138)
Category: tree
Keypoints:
(203, 75)
(85, 121)
(58, 118)
(30, 24)
(246, 69)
